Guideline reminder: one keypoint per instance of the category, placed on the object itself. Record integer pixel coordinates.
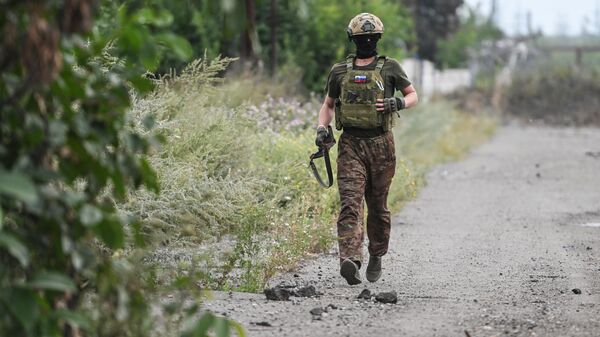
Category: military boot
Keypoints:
(349, 271)
(374, 268)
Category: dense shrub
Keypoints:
(555, 94)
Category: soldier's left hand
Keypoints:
(390, 105)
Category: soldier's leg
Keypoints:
(382, 167)
(351, 183)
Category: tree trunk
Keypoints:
(250, 44)
(273, 37)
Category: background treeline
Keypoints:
(299, 40)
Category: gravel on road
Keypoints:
(504, 243)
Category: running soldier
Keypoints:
(360, 93)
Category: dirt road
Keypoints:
(493, 246)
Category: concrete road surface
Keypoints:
(495, 245)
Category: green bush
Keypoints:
(555, 94)
(68, 151)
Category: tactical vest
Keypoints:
(360, 90)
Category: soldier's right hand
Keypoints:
(321, 136)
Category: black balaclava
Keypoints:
(366, 45)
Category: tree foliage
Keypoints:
(310, 34)
(474, 30)
(435, 20)
(67, 151)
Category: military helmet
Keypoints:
(363, 24)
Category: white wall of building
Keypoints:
(430, 81)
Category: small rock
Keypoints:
(261, 323)
(317, 311)
(390, 297)
(332, 306)
(576, 291)
(277, 294)
(296, 275)
(588, 248)
(365, 294)
(308, 291)
(538, 175)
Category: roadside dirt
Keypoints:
(496, 245)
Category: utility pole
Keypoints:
(529, 24)
(597, 18)
(494, 13)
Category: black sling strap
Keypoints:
(324, 152)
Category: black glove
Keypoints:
(321, 136)
(393, 105)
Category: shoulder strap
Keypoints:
(350, 62)
(380, 62)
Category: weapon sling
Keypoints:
(324, 152)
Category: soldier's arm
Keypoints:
(411, 98)
(327, 111)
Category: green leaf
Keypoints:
(15, 247)
(161, 18)
(201, 328)
(111, 233)
(149, 176)
(180, 46)
(23, 305)
(52, 280)
(239, 329)
(90, 215)
(74, 319)
(141, 84)
(222, 327)
(19, 186)
(138, 234)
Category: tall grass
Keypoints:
(234, 175)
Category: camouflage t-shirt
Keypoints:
(394, 76)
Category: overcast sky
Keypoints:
(551, 16)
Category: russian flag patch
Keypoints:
(360, 79)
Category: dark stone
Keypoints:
(317, 311)
(390, 297)
(576, 291)
(332, 306)
(262, 323)
(278, 294)
(296, 275)
(365, 294)
(308, 291)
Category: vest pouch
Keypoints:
(338, 114)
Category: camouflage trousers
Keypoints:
(366, 167)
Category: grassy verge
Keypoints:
(238, 202)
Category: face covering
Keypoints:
(366, 45)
